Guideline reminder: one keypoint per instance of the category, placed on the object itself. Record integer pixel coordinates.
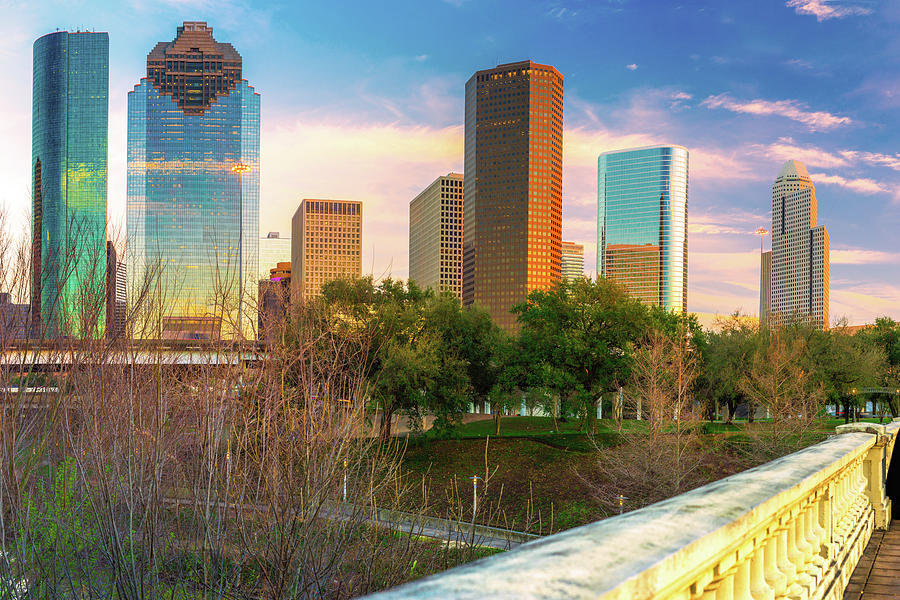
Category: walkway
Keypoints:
(877, 575)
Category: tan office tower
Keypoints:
(572, 261)
(513, 186)
(765, 286)
(325, 245)
(800, 250)
(435, 235)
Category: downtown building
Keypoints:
(193, 189)
(436, 235)
(572, 261)
(326, 244)
(70, 106)
(799, 262)
(642, 204)
(273, 251)
(513, 186)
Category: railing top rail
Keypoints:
(641, 553)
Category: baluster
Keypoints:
(777, 580)
(813, 534)
(742, 581)
(798, 557)
(787, 567)
(759, 587)
(720, 589)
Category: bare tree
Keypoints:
(659, 456)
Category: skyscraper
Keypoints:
(193, 187)
(572, 261)
(436, 235)
(326, 244)
(800, 250)
(513, 186)
(765, 285)
(115, 293)
(273, 250)
(642, 202)
(70, 105)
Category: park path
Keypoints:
(877, 575)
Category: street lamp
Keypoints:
(240, 168)
(761, 232)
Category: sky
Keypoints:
(364, 101)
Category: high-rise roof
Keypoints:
(793, 169)
(194, 68)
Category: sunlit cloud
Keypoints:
(863, 185)
(383, 165)
(823, 10)
(873, 158)
(785, 149)
(858, 256)
(791, 109)
(631, 67)
(863, 303)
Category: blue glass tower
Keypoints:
(193, 217)
(70, 105)
(642, 200)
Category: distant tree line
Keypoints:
(577, 344)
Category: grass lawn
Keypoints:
(537, 479)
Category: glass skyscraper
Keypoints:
(70, 105)
(193, 218)
(642, 200)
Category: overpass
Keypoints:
(795, 527)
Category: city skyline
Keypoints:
(740, 108)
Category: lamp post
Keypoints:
(761, 232)
(240, 168)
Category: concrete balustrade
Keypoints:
(791, 528)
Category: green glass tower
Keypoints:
(68, 163)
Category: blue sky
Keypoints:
(364, 100)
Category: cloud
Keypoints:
(863, 303)
(382, 164)
(785, 149)
(891, 161)
(420, 58)
(681, 96)
(863, 185)
(791, 109)
(631, 67)
(799, 63)
(823, 10)
(858, 256)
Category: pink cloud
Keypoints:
(791, 109)
(823, 10)
(863, 185)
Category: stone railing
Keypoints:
(791, 528)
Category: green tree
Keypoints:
(403, 360)
(886, 335)
(727, 353)
(578, 339)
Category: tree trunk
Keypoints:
(497, 423)
(892, 406)
(751, 409)
(386, 417)
(846, 412)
